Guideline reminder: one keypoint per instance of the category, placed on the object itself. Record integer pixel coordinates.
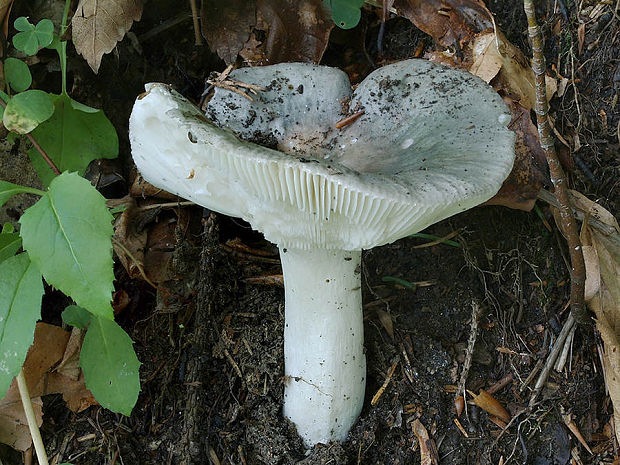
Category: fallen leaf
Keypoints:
(490, 404)
(14, 429)
(5, 13)
(142, 189)
(98, 25)
(514, 77)
(602, 257)
(70, 364)
(288, 31)
(529, 173)
(581, 36)
(449, 22)
(227, 26)
(51, 346)
(130, 239)
(428, 449)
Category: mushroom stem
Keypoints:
(324, 359)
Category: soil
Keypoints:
(211, 343)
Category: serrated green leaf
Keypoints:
(76, 316)
(25, 111)
(10, 242)
(8, 190)
(72, 138)
(110, 365)
(17, 74)
(67, 234)
(345, 13)
(21, 291)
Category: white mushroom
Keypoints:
(432, 142)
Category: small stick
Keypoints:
(561, 361)
(569, 225)
(348, 119)
(31, 418)
(473, 334)
(501, 384)
(230, 88)
(379, 393)
(196, 21)
(553, 355)
(533, 373)
(252, 87)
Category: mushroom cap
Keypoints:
(432, 142)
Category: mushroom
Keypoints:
(432, 142)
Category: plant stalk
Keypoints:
(31, 418)
(62, 51)
(558, 178)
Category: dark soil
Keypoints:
(211, 344)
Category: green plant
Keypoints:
(345, 13)
(66, 234)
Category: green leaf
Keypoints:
(27, 110)
(76, 316)
(31, 38)
(10, 242)
(399, 281)
(44, 31)
(22, 24)
(67, 234)
(17, 74)
(73, 138)
(8, 190)
(345, 13)
(110, 365)
(21, 290)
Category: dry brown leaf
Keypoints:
(593, 209)
(142, 189)
(602, 257)
(14, 429)
(227, 25)
(581, 36)
(491, 405)
(593, 272)
(98, 25)
(70, 364)
(529, 173)
(74, 392)
(386, 321)
(428, 450)
(5, 13)
(515, 76)
(293, 31)
(132, 239)
(448, 21)
(49, 348)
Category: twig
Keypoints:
(40, 149)
(569, 225)
(473, 334)
(561, 361)
(553, 355)
(379, 393)
(196, 21)
(32, 420)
